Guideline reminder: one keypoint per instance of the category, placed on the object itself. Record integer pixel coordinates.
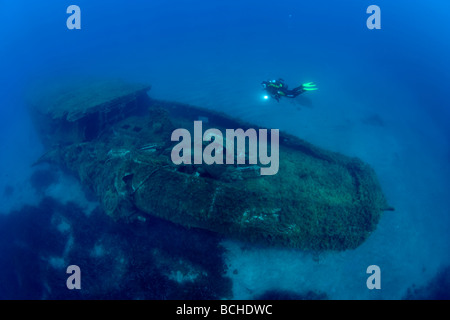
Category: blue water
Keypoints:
(383, 97)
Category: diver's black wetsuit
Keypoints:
(278, 89)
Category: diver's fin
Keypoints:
(309, 86)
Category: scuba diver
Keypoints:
(277, 89)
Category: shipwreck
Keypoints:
(117, 140)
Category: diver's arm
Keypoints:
(276, 96)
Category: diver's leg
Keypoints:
(299, 90)
(295, 92)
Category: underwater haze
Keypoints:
(382, 97)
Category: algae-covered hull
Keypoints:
(318, 199)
